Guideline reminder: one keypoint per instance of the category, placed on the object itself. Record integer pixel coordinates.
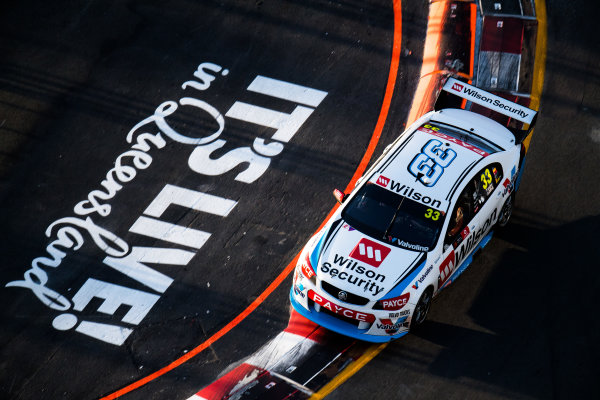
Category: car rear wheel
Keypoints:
(506, 212)
(422, 308)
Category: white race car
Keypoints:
(414, 220)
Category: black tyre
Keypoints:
(506, 211)
(422, 308)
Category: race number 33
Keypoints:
(428, 166)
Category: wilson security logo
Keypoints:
(383, 181)
(370, 252)
(490, 101)
(457, 86)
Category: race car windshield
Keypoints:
(394, 219)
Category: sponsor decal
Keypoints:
(348, 227)
(298, 289)
(454, 140)
(307, 271)
(447, 267)
(346, 312)
(395, 303)
(399, 314)
(406, 245)
(468, 245)
(352, 272)
(429, 165)
(370, 252)
(465, 232)
(179, 243)
(457, 87)
(508, 186)
(422, 278)
(392, 327)
(411, 193)
(457, 242)
(383, 181)
(490, 101)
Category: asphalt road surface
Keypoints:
(130, 93)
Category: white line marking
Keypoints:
(198, 201)
(286, 124)
(169, 232)
(133, 265)
(196, 397)
(112, 334)
(114, 296)
(287, 91)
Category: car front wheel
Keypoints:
(422, 308)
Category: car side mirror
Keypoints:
(339, 195)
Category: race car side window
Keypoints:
(470, 201)
(489, 178)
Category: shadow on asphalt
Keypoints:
(538, 305)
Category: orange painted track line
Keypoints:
(431, 74)
(473, 21)
(389, 91)
(424, 95)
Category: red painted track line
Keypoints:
(473, 33)
(389, 91)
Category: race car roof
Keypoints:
(427, 165)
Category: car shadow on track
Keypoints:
(538, 305)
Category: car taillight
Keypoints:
(307, 269)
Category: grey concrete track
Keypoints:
(75, 78)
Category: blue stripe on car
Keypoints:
(397, 291)
(314, 256)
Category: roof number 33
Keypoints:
(428, 166)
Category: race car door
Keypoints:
(470, 221)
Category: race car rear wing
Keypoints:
(490, 101)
